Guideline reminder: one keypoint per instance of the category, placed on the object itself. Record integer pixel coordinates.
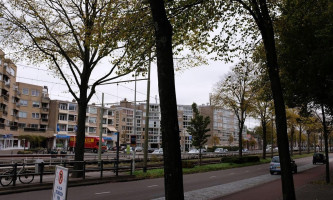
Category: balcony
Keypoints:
(44, 120)
(5, 98)
(17, 93)
(13, 128)
(45, 110)
(45, 99)
(7, 84)
(2, 126)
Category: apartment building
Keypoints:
(64, 121)
(224, 129)
(24, 108)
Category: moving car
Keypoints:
(318, 158)
(275, 167)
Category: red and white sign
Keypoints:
(60, 183)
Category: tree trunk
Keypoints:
(308, 138)
(292, 131)
(80, 135)
(300, 140)
(265, 25)
(173, 177)
(264, 135)
(240, 138)
(326, 145)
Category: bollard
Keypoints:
(41, 167)
(14, 174)
(101, 168)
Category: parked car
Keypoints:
(158, 151)
(245, 150)
(318, 158)
(138, 149)
(194, 151)
(275, 167)
(220, 150)
(151, 150)
(203, 150)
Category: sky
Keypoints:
(192, 85)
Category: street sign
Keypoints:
(60, 183)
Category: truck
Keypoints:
(90, 143)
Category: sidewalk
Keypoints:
(310, 185)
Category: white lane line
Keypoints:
(212, 177)
(102, 193)
(153, 186)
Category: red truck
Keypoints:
(90, 143)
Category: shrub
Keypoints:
(154, 158)
(188, 164)
(24, 152)
(239, 160)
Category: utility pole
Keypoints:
(134, 120)
(101, 131)
(145, 148)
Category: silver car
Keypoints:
(275, 167)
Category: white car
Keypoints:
(194, 151)
(220, 150)
(158, 151)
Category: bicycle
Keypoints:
(24, 175)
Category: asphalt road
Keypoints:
(154, 188)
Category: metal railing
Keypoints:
(12, 171)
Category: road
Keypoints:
(197, 186)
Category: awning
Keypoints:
(107, 138)
(112, 129)
(62, 136)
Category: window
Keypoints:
(25, 91)
(35, 93)
(62, 127)
(92, 129)
(63, 106)
(23, 102)
(21, 125)
(0, 77)
(35, 104)
(70, 128)
(62, 117)
(22, 114)
(92, 110)
(35, 115)
(72, 118)
(34, 126)
(72, 107)
(92, 120)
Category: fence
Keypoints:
(41, 168)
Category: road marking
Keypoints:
(153, 186)
(212, 177)
(102, 193)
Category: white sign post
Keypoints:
(60, 183)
